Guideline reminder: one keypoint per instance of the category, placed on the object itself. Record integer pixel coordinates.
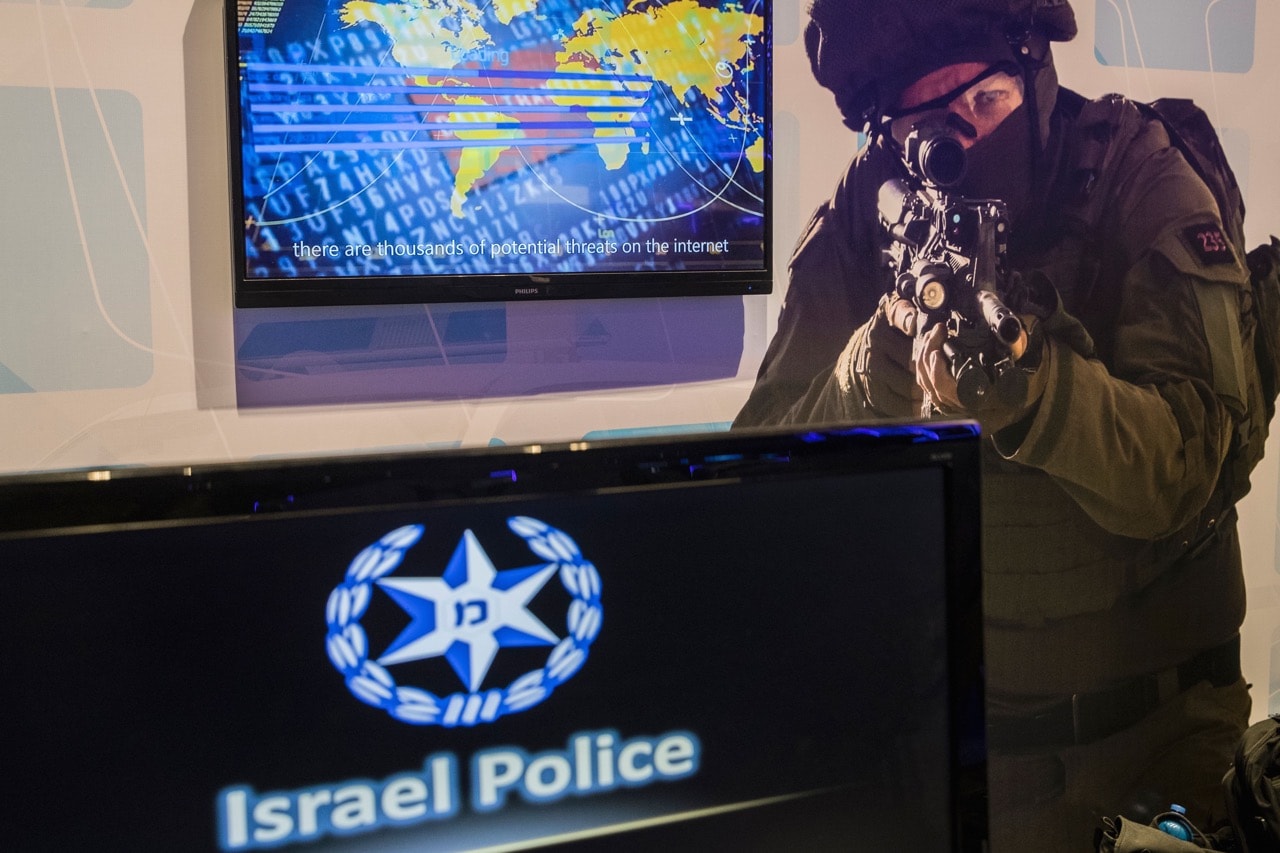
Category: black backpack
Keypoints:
(1252, 786)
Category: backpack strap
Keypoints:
(1098, 131)
(1098, 123)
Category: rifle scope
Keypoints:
(936, 158)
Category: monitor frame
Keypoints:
(337, 290)
(138, 497)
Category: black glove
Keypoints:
(876, 368)
(933, 373)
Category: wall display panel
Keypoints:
(1188, 35)
(415, 152)
(77, 301)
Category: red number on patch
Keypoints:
(1211, 241)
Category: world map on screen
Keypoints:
(604, 71)
(461, 136)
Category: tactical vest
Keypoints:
(1087, 570)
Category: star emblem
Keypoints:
(468, 613)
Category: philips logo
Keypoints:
(466, 615)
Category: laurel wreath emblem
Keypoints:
(370, 682)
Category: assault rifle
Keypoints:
(948, 256)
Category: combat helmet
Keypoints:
(867, 51)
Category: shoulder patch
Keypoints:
(1209, 243)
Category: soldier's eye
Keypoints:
(990, 97)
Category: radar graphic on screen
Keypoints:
(461, 141)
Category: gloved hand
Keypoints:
(876, 365)
(932, 371)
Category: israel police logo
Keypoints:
(465, 616)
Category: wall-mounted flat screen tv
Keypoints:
(452, 150)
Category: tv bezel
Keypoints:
(336, 290)
(95, 500)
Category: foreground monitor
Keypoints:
(755, 641)
(422, 151)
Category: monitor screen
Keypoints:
(446, 150)
(763, 641)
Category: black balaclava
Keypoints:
(1001, 165)
(1008, 163)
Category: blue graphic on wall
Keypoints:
(466, 616)
(325, 356)
(1185, 35)
(77, 285)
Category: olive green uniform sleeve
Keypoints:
(1140, 459)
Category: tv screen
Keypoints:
(762, 641)
(447, 150)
